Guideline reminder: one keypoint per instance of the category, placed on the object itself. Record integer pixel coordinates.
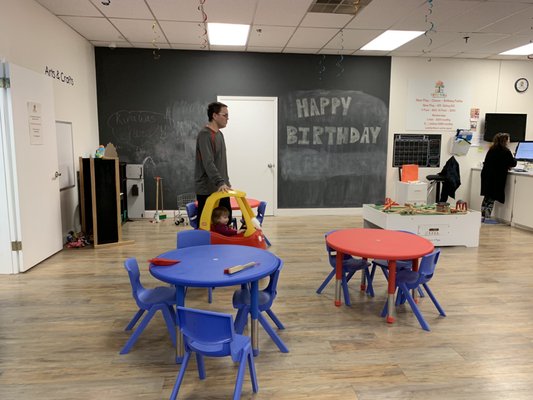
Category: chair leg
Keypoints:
(180, 376)
(275, 319)
(209, 295)
(240, 320)
(326, 281)
(251, 365)
(171, 322)
(369, 280)
(267, 241)
(273, 335)
(131, 341)
(344, 284)
(240, 376)
(201, 366)
(414, 307)
(434, 300)
(134, 319)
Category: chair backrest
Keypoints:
(192, 214)
(332, 254)
(261, 208)
(191, 238)
(135, 279)
(427, 266)
(206, 327)
(272, 287)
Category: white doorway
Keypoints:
(32, 168)
(251, 143)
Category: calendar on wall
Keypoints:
(422, 150)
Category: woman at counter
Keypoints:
(498, 161)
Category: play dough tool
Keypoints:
(237, 268)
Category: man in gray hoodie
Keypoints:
(211, 168)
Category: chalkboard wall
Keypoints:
(333, 115)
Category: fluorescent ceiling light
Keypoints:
(227, 34)
(520, 51)
(391, 40)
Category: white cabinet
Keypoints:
(518, 195)
(522, 213)
(502, 212)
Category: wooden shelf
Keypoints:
(100, 200)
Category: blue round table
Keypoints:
(203, 266)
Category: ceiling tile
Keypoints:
(183, 32)
(182, 10)
(269, 36)
(139, 30)
(93, 28)
(352, 39)
(82, 8)
(311, 37)
(133, 9)
(230, 11)
(281, 12)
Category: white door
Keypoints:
(35, 176)
(8, 263)
(251, 143)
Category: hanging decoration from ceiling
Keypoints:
(430, 28)
(155, 40)
(340, 67)
(530, 56)
(205, 42)
(321, 67)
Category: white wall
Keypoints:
(33, 38)
(492, 85)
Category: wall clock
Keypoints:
(521, 85)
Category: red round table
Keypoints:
(377, 244)
(252, 202)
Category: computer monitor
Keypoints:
(513, 124)
(524, 151)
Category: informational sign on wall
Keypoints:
(35, 122)
(438, 105)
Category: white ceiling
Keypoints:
(461, 28)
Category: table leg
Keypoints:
(338, 278)
(180, 301)
(254, 313)
(391, 291)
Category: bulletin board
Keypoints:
(422, 150)
(65, 154)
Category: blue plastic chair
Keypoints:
(261, 208)
(407, 280)
(212, 334)
(192, 214)
(151, 300)
(197, 237)
(350, 265)
(400, 265)
(242, 301)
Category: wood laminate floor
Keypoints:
(62, 326)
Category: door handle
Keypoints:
(270, 165)
(57, 174)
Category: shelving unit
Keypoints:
(100, 200)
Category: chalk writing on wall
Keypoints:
(168, 137)
(332, 149)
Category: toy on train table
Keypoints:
(253, 236)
